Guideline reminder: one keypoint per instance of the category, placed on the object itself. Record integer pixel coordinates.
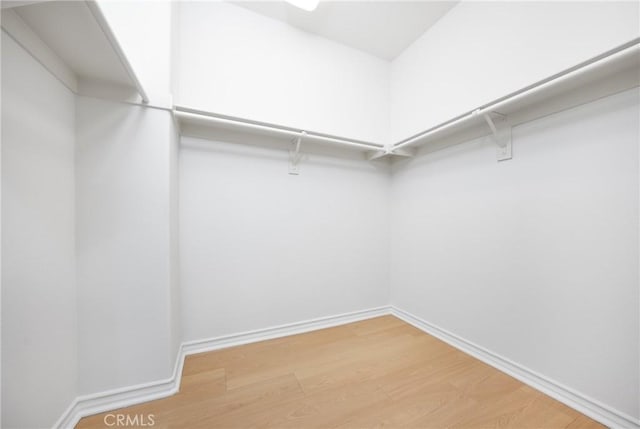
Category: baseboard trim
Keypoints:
(576, 400)
(84, 406)
(88, 405)
(206, 345)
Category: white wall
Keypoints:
(260, 247)
(497, 253)
(480, 51)
(233, 61)
(39, 329)
(124, 242)
(536, 258)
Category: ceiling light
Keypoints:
(308, 5)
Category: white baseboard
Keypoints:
(88, 405)
(199, 346)
(576, 400)
(125, 397)
(105, 401)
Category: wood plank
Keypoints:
(380, 372)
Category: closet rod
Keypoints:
(185, 114)
(622, 51)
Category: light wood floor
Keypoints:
(380, 372)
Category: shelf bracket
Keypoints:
(500, 134)
(391, 153)
(294, 154)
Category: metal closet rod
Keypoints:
(186, 113)
(613, 54)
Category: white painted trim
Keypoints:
(576, 400)
(88, 405)
(199, 346)
(118, 398)
(124, 397)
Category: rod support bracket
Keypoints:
(500, 134)
(294, 154)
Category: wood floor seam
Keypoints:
(299, 385)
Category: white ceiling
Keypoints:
(381, 28)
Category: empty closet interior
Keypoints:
(187, 176)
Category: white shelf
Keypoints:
(73, 40)
(614, 71)
(192, 122)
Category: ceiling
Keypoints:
(381, 28)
